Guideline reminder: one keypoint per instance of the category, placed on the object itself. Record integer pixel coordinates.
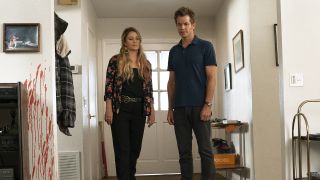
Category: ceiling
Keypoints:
(152, 8)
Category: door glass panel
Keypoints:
(155, 80)
(152, 57)
(164, 77)
(164, 101)
(155, 100)
(160, 77)
(164, 56)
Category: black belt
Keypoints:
(127, 99)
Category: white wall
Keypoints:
(237, 103)
(255, 94)
(80, 17)
(300, 53)
(72, 15)
(265, 92)
(23, 67)
(150, 28)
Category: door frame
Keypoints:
(90, 154)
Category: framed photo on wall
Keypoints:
(238, 56)
(227, 77)
(21, 37)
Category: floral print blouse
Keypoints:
(113, 88)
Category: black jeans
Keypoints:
(187, 119)
(127, 133)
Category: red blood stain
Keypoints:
(40, 128)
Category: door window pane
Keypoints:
(155, 80)
(152, 57)
(164, 77)
(155, 100)
(164, 101)
(164, 56)
(160, 77)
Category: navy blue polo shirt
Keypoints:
(189, 66)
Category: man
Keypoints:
(191, 85)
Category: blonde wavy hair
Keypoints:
(124, 62)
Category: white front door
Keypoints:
(159, 154)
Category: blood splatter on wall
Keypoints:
(40, 128)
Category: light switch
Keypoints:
(296, 79)
(76, 69)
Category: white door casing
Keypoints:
(93, 145)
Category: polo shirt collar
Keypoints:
(194, 41)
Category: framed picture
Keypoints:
(238, 51)
(21, 37)
(275, 30)
(227, 77)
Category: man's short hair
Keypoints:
(184, 11)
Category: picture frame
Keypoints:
(275, 31)
(21, 37)
(238, 52)
(227, 77)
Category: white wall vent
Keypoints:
(69, 166)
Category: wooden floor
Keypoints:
(166, 177)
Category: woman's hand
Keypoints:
(151, 120)
(152, 117)
(109, 114)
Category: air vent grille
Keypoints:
(69, 165)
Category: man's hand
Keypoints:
(170, 117)
(205, 113)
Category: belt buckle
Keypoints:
(126, 99)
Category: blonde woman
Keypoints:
(129, 100)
